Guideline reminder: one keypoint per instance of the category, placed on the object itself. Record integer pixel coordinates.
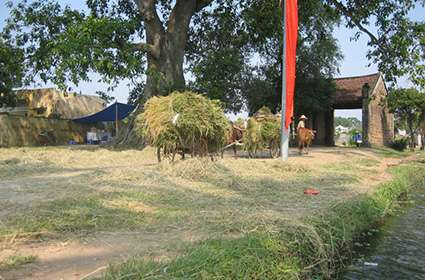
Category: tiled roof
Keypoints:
(349, 89)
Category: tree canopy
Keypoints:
(408, 106)
(350, 122)
(229, 49)
(11, 72)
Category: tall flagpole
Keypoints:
(284, 140)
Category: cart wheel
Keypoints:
(158, 154)
(274, 150)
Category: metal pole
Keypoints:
(284, 141)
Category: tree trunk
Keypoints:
(165, 56)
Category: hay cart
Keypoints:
(263, 133)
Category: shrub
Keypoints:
(399, 144)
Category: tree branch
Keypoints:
(147, 9)
(349, 15)
(151, 49)
(154, 26)
(180, 16)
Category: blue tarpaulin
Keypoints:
(116, 111)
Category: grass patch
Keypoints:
(312, 249)
(14, 261)
(388, 152)
(73, 215)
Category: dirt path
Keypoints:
(89, 256)
(72, 258)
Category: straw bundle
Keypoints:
(263, 132)
(184, 121)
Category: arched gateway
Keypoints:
(361, 92)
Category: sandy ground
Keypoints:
(84, 255)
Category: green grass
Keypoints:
(388, 152)
(73, 215)
(313, 249)
(14, 261)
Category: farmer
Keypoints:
(301, 123)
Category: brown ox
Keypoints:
(235, 138)
(305, 137)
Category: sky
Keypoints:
(354, 63)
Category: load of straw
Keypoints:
(184, 122)
(263, 132)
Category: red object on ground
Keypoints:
(311, 191)
(291, 10)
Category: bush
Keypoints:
(184, 121)
(399, 144)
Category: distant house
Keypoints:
(52, 103)
(341, 129)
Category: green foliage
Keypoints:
(399, 144)
(217, 54)
(64, 45)
(317, 56)
(397, 45)
(349, 122)
(184, 120)
(11, 72)
(16, 260)
(311, 249)
(233, 48)
(408, 106)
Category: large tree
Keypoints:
(117, 39)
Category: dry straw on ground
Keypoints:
(66, 193)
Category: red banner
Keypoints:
(291, 10)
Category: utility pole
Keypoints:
(284, 140)
(116, 118)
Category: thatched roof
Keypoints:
(49, 102)
(349, 89)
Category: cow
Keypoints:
(305, 137)
(234, 139)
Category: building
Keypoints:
(341, 129)
(362, 92)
